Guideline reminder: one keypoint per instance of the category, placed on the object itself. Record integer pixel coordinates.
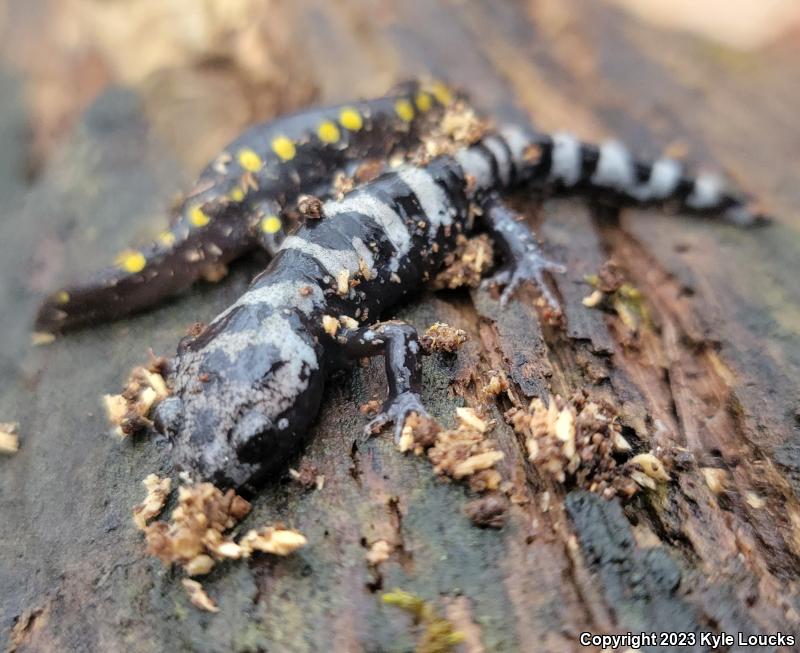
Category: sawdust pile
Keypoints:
(467, 264)
(496, 385)
(158, 490)
(465, 453)
(579, 442)
(461, 453)
(195, 536)
(129, 411)
(442, 337)
(459, 127)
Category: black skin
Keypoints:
(246, 390)
(187, 252)
(525, 261)
(398, 342)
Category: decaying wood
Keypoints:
(708, 382)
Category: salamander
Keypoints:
(247, 387)
(237, 203)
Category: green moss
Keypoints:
(439, 635)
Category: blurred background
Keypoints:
(108, 108)
(205, 68)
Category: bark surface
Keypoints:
(715, 372)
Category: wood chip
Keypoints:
(469, 418)
(476, 463)
(9, 442)
(198, 596)
(158, 490)
(330, 325)
(716, 479)
(379, 552)
(276, 541)
(651, 466)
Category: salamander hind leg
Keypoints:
(525, 260)
(399, 344)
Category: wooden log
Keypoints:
(710, 383)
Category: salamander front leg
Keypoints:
(524, 258)
(399, 344)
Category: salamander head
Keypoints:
(244, 393)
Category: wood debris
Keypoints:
(342, 184)
(467, 264)
(578, 442)
(464, 453)
(461, 453)
(198, 596)
(497, 384)
(330, 325)
(442, 337)
(42, 338)
(459, 127)
(310, 207)
(379, 552)
(488, 511)
(158, 490)
(196, 528)
(195, 537)
(611, 293)
(277, 541)
(9, 441)
(343, 282)
(129, 411)
(651, 466)
(308, 476)
(371, 407)
(716, 479)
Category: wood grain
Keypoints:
(716, 374)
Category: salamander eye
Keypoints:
(168, 417)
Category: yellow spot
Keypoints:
(166, 238)
(131, 261)
(62, 297)
(351, 119)
(423, 101)
(237, 194)
(404, 110)
(249, 160)
(198, 218)
(443, 94)
(328, 132)
(284, 148)
(271, 224)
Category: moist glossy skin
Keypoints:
(236, 203)
(245, 390)
(267, 356)
(265, 359)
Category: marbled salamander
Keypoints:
(235, 206)
(247, 388)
